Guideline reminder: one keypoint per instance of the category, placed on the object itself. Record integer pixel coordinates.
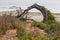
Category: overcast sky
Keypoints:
(53, 5)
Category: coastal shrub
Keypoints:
(50, 16)
(48, 28)
(23, 35)
(50, 19)
(40, 25)
(7, 22)
(49, 25)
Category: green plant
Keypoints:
(22, 19)
(40, 25)
(51, 18)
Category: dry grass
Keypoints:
(8, 25)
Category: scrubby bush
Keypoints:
(40, 25)
(49, 25)
(51, 18)
(24, 35)
(7, 22)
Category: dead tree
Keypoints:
(38, 7)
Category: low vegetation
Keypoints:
(50, 26)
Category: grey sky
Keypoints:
(53, 5)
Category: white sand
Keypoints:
(39, 18)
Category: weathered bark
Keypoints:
(38, 7)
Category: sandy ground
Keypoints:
(39, 17)
(57, 18)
